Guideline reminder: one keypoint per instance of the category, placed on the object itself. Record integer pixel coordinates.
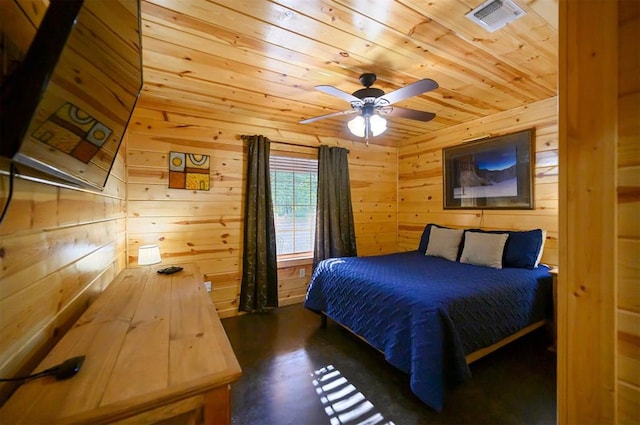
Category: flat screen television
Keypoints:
(65, 109)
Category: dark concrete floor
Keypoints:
(280, 350)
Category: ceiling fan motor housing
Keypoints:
(368, 109)
(367, 79)
(368, 92)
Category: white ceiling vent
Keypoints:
(495, 14)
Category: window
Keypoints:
(294, 183)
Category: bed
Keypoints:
(430, 316)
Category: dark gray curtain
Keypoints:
(335, 233)
(259, 289)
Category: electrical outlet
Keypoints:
(303, 272)
(208, 286)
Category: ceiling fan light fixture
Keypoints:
(356, 126)
(377, 125)
(370, 102)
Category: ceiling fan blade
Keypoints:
(338, 93)
(333, 114)
(411, 114)
(413, 89)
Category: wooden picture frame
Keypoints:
(491, 173)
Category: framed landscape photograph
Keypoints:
(492, 173)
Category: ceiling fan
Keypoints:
(372, 104)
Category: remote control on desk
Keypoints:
(170, 270)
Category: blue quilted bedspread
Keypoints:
(427, 313)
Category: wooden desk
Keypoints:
(155, 350)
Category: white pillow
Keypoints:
(483, 249)
(444, 243)
(544, 239)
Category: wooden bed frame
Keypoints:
(470, 358)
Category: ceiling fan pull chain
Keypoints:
(366, 130)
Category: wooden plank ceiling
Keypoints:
(257, 61)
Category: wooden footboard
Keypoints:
(470, 358)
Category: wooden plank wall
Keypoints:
(628, 261)
(59, 247)
(206, 226)
(420, 178)
(587, 278)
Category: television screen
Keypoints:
(65, 110)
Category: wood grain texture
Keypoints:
(587, 280)
(60, 249)
(153, 344)
(258, 63)
(18, 29)
(206, 226)
(628, 204)
(217, 69)
(420, 179)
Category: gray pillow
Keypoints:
(484, 249)
(444, 243)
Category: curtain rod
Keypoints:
(245, 137)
